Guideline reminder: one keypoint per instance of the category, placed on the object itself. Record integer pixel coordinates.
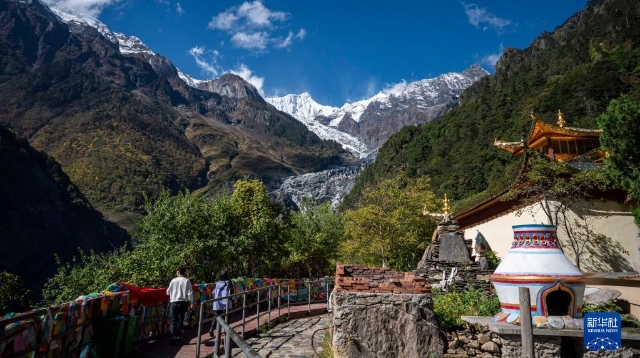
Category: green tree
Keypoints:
(86, 273)
(177, 230)
(14, 297)
(559, 190)
(241, 232)
(620, 137)
(182, 230)
(387, 227)
(258, 240)
(315, 234)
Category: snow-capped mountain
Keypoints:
(132, 44)
(303, 108)
(375, 119)
(77, 22)
(188, 79)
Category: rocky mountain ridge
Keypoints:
(384, 114)
(361, 127)
(373, 120)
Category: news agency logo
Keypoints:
(602, 331)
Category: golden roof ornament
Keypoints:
(445, 206)
(561, 122)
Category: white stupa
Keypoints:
(556, 286)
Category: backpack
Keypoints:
(222, 289)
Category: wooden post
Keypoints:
(526, 328)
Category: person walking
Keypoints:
(180, 300)
(223, 288)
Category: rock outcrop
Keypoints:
(385, 325)
(232, 86)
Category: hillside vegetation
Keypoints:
(592, 58)
(37, 200)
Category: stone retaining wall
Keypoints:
(555, 346)
(385, 325)
(476, 341)
(473, 341)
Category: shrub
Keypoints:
(609, 306)
(449, 307)
(493, 258)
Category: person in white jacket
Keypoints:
(180, 295)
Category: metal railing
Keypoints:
(264, 296)
(230, 334)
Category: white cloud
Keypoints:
(83, 7)
(256, 40)
(372, 85)
(253, 26)
(478, 15)
(492, 59)
(206, 60)
(223, 21)
(179, 9)
(244, 72)
(259, 16)
(286, 42)
(394, 88)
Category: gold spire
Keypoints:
(561, 122)
(445, 205)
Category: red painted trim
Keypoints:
(511, 306)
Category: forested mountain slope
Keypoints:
(42, 213)
(579, 68)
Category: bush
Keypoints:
(449, 307)
(609, 306)
(493, 258)
(14, 297)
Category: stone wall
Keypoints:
(379, 312)
(385, 325)
(473, 342)
(555, 346)
(476, 341)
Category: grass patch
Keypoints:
(326, 351)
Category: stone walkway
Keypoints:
(301, 318)
(298, 338)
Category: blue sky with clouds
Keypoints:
(338, 51)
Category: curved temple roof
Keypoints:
(541, 131)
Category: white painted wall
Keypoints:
(610, 218)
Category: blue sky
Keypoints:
(338, 51)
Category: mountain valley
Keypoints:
(93, 123)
